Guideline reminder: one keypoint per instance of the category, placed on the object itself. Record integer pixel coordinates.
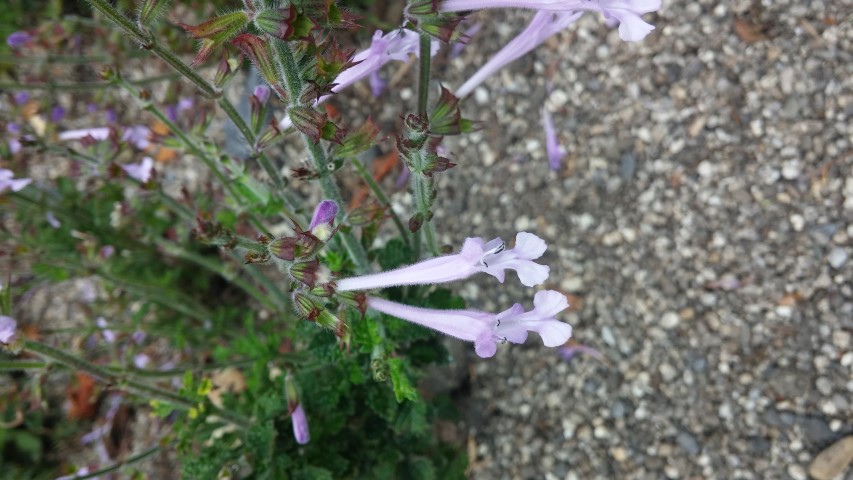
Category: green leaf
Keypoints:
(412, 419)
(403, 389)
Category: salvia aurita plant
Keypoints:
(213, 276)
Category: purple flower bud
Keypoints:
(57, 114)
(21, 98)
(262, 93)
(300, 425)
(91, 108)
(7, 329)
(112, 116)
(18, 39)
(107, 251)
(324, 217)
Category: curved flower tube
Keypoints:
(476, 256)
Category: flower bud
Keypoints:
(356, 300)
(277, 22)
(310, 272)
(214, 33)
(313, 311)
(297, 413)
(258, 52)
(322, 223)
(226, 69)
(416, 222)
(300, 247)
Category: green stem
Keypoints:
(383, 199)
(117, 381)
(124, 463)
(327, 182)
(14, 365)
(429, 233)
(423, 73)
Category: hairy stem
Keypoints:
(124, 463)
(423, 73)
(327, 182)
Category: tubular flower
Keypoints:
(300, 425)
(486, 330)
(543, 25)
(628, 13)
(476, 256)
(394, 45)
(9, 182)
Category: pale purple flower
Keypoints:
(140, 171)
(476, 256)
(138, 136)
(111, 115)
(138, 337)
(98, 134)
(141, 360)
(486, 330)
(300, 425)
(109, 335)
(21, 98)
(52, 221)
(18, 39)
(107, 251)
(543, 25)
(14, 142)
(185, 103)
(394, 45)
(57, 114)
(628, 13)
(91, 107)
(8, 182)
(7, 329)
(323, 219)
(262, 93)
(553, 148)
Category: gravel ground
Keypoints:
(703, 226)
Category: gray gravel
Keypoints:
(703, 225)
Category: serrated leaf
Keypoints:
(403, 389)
